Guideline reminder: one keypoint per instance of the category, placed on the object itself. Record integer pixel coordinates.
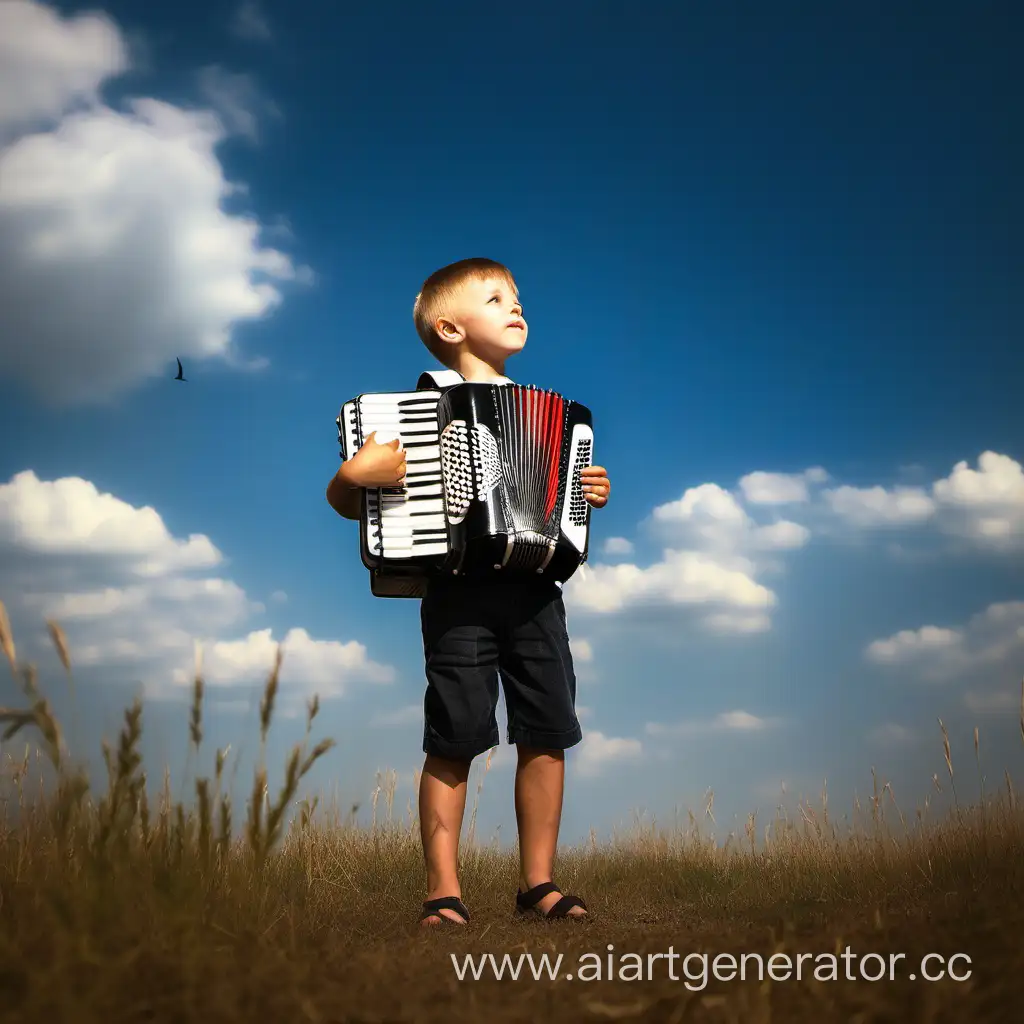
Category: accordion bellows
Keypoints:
(492, 488)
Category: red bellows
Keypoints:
(543, 419)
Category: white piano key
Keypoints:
(396, 524)
(425, 490)
(420, 551)
(402, 507)
(395, 533)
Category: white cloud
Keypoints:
(614, 546)
(781, 536)
(582, 651)
(912, 644)
(727, 721)
(682, 578)
(995, 702)
(875, 506)
(890, 734)
(597, 752)
(710, 518)
(324, 666)
(133, 598)
(408, 714)
(713, 551)
(250, 22)
(737, 621)
(279, 597)
(124, 205)
(70, 515)
(988, 647)
(238, 101)
(998, 480)
(984, 506)
(761, 488)
(49, 64)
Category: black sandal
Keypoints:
(431, 908)
(526, 902)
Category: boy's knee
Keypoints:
(528, 751)
(452, 770)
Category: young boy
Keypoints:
(469, 316)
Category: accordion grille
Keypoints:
(531, 428)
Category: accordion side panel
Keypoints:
(575, 510)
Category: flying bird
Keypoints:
(181, 373)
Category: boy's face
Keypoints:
(488, 316)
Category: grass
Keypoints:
(114, 910)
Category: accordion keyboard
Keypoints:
(409, 520)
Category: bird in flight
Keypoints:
(181, 373)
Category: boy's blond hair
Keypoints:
(440, 290)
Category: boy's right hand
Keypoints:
(375, 465)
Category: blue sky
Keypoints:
(751, 242)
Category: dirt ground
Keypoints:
(349, 949)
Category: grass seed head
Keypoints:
(7, 640)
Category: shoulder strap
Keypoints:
(430, 379)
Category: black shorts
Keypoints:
(474, 630)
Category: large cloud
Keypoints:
(717, 545)
(764, 488)
(134, 599)
(119, 213)
(986, 654)
(250, 23)
(712, 551)
(728, 721)
(597, 753)
(982, 506)
(710, 518)
(49, 63)
(728, 598)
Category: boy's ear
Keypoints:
(448, 331)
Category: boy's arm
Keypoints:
(374, 465)
(343, 496)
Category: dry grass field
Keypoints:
(113, 910)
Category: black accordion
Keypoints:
(492, 487)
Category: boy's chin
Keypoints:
(513, 345)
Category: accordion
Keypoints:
(492, 485)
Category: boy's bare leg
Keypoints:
(540, 782)
(442, 803)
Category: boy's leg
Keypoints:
(540, 783)
(442, 803)
(540, 694)
(461, 660)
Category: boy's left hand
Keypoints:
(596, 485)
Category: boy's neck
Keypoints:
(473, 368)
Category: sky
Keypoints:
(775, 252)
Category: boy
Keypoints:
(469, 316)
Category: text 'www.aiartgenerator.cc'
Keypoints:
(695, 970)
